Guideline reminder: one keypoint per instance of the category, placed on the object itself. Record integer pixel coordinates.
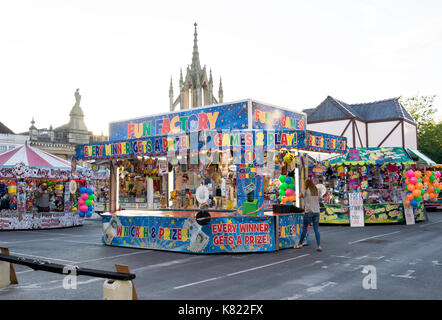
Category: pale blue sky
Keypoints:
(121, 54)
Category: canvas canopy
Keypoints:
(366, 156)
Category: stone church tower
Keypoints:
(196, 89)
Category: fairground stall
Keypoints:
(22, 171)
(375, 185)
(205, 180)
(434, 201)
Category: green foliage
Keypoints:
(429, 132)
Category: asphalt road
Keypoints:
(406, 260)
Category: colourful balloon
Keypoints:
(281, 192)
(419, 186)
(428, 174)
(410, 196)
(407, 203)
(292, 198)
(81, 214)
(413, 180)
(91, 197)
(283, 186)
(437, 174)
(437, 190)
(418, 174)
(282, 179)
(90, 190)
(419, 180)
(432, 195)
(80, 202)
(289, 192)
(410, 187)
(410, 173)
(85, 196)
(88, 202)
(83, 208)
(82, 190)
(89, 214)
(291, 186)
(422, 192)
(432, 178)
(416, 193)
(288, 180)
(407, 181)
(414, 203)
(419, 198)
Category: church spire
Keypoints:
(171, 94)
(195, 55)
(220, 91)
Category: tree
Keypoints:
(429, 132)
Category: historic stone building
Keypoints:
(62, 140)
(196, 89)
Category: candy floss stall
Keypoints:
(22, 170)
(206, 180)
(380, 185)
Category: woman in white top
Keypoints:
(311, 200)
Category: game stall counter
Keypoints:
(381, 176)
(22, 170)
(206, 180)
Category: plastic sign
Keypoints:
(356, 209)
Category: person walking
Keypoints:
(42, 196)
(311, 208)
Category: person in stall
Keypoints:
(42, 195)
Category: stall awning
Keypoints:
(419, 156)
(366, 156)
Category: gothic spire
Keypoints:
(195, 55)
(171, 87)
(220, 91)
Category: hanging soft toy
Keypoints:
(354, 180)
(341, 172)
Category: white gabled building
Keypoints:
(383, 123)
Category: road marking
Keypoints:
(26, 271)
(437, 263)
(267, 265)
(117, 256)
(41, 257)
(82, 242)
(321, 287)
(407, 275)
(340, 256)
(429, 224)
(381, 235)
(26, 241)
(239, 272)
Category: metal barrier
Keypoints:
(122, 274)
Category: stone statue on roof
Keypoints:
(77, 97)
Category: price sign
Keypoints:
(356, 209)
(408, 210)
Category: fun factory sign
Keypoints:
(322, 142)
(199, 141)
(193, 120)
(267, 117)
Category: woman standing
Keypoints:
(311, 200)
